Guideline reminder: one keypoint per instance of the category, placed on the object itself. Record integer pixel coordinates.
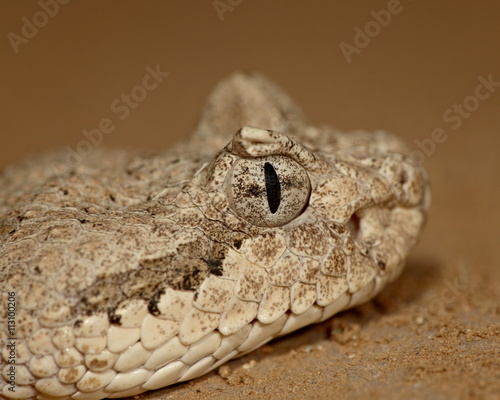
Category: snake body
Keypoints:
(124, 272)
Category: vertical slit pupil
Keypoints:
(273, 187)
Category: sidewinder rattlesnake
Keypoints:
(131, 271)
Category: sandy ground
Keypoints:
(435, 332)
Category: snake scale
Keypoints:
(130, 271)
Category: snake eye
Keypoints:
(268, 191)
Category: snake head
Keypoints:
(342, 216)
(132, 271)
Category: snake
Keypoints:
(125, 271)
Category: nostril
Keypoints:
(403, 177)
(353, 225)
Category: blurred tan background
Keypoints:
(64, 79)
(431, 74)
(62, 76)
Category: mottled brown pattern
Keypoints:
(133, 271)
